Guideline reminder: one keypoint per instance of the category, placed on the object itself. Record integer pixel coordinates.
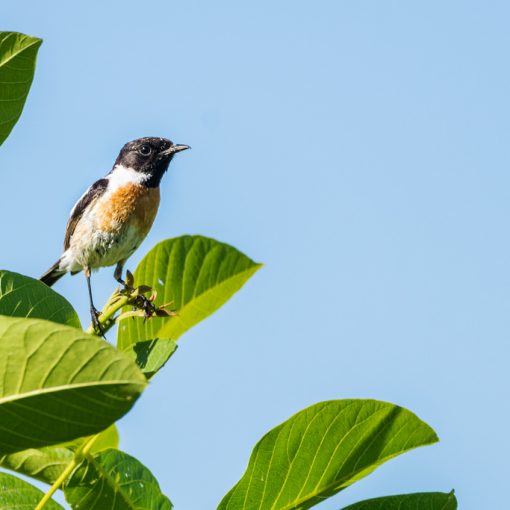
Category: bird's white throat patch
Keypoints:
(122, 175)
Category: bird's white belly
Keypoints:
(95, 248)
(112, 229)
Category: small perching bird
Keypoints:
(115, 214)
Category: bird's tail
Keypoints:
(53, 274)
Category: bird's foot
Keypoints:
(127, 285)
(94, 315)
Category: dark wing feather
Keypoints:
(92, 194)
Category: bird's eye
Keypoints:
(145, 150)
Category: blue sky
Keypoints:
(360, 150)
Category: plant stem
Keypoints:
(106, 319)
(82, 451)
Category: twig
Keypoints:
(106, 319)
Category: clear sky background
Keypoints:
(360, 149)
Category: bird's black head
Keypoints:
(149, 155)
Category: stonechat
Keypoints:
(115, 214)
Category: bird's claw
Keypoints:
(94, 315)
(127, 284)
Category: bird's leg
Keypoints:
(146, 304)
(117, 274)
(94, 313)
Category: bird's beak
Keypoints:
(175, 148)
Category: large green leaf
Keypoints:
(44, 464)
(418, 501)
(58, 383)
(18, 53)
(196, 274)
(22, 296)
(16, 494)
(323, 449)
(151, 355)
(114, 480)
(47, 463)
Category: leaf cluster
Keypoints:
(62, 388)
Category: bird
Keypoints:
(114, 215)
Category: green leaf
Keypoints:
(114, 480)
(323, 449)
(194, 273)
(58, 383)
(46, 464)
(18, 54)
(418, 501)
(22, 296)
(151, 355)
(108, 438)
(20, 495)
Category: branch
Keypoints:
(142, 307)
(107, 318)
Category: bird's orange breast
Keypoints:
(131, 205)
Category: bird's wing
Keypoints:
(90, 196)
